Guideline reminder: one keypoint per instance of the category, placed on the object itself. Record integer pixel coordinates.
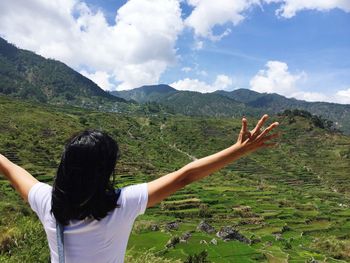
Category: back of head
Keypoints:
(82, 187)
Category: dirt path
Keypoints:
(191, 157)
(173, 146)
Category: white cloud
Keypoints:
(221, 82)
(289, 8)
(202, 73)
(310, 96)
(343, 96)
(208, 13)
(186, 69)
(198, 45)
(101, 78)
(276, 78)
(191, 84)
(135, 51)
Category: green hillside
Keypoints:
(187, 102)
(23, 74)
(274, 103)
(144, 94)
(289, 203)
(234, 103)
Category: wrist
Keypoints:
(240, 148)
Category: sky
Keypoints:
(295, 48)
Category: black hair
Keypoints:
(82, 187)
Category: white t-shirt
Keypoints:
(91, 240)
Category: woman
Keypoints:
(98, 219)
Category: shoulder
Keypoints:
(39, 190)
(134, 198)
(39, 198)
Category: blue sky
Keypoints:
(295, 49)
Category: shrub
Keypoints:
(201, 257)
(146, 257)
(339, 249)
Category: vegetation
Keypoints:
(274, 103)
(144, 94)
(235, 103)
(289, 203)
(316, 121)
(198, 258)
(26, 75)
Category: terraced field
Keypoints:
(288, 204)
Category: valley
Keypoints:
(287, 204)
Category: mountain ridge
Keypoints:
(243, 102)
(24, 74)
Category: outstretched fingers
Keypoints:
(267, 130)
(244, 125)
(270, 137)
(243, 129)
(260, 123)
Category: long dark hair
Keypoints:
(82, 187)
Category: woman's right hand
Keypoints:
(251, 141)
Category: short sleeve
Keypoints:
(39, 199)
(134, 199)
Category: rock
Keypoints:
(205, 227)
(278, 237)
(285, 228)
(268, 244)
(214, 241)
(203, 242)
(185, 237)
(254, 239)
(252, 221)
(227, 233)
(172, 226)
(242, 208)
(154, 227)
(172, 242)
(243, 211)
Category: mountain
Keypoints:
(275, 103)
(145, 93)
(242, 95)
(23, 74)
(234, 103)
(187, 102)
(203, 104)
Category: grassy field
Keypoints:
(291, 202)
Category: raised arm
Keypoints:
(247, 142)
(20, 179)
